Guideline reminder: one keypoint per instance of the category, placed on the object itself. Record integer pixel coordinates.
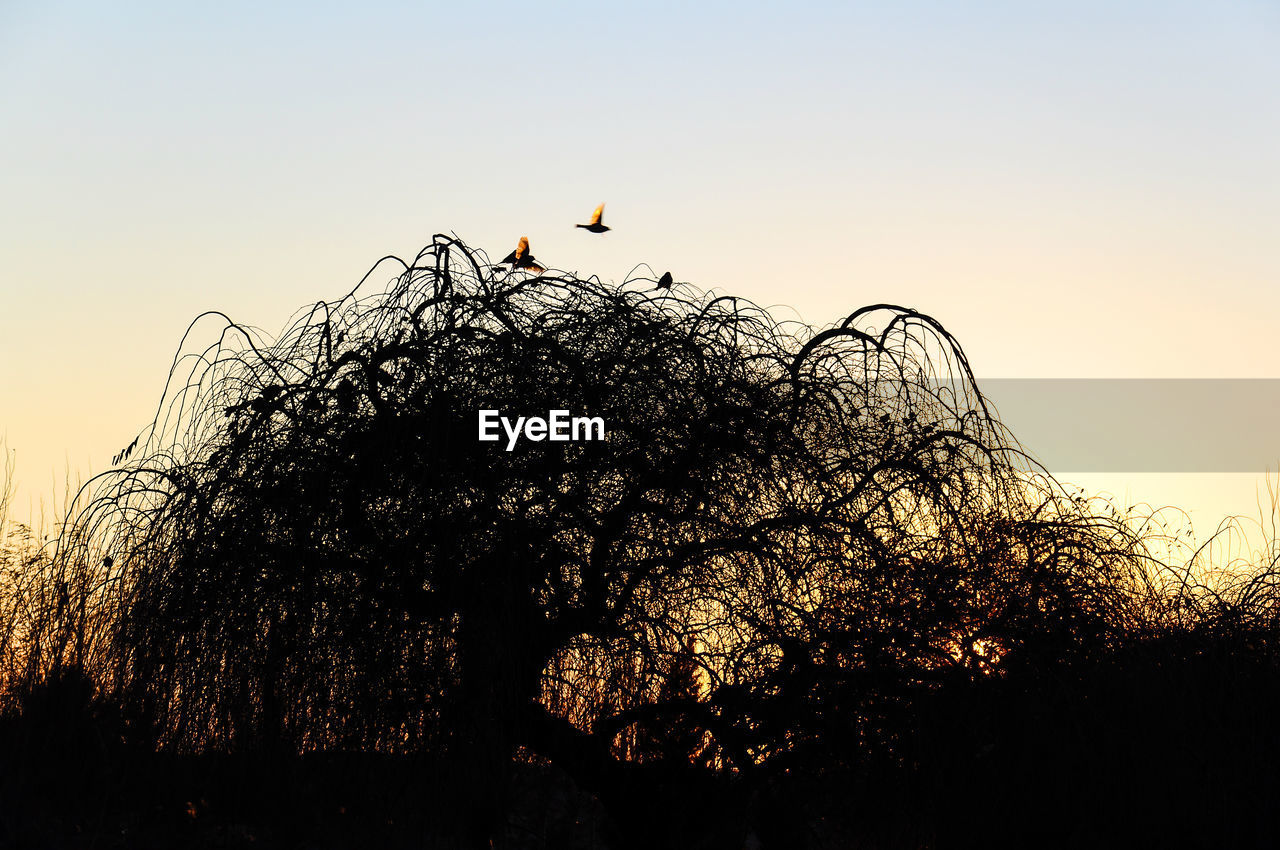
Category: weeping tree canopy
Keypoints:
(786, 533)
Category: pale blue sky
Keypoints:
(1075, 189)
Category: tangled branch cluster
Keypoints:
(786, 533)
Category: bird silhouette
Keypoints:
(665, 281)
(522, 248)
(595, 226)
(522, 258)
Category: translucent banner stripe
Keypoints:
(1142, 425)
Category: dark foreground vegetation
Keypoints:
(808, 593)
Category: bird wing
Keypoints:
(522, 250)
(595, 216)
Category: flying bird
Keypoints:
(521, 250)
(595, 226)
(665, 281)
(522, 258)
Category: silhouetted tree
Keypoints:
(313, 550)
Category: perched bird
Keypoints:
(665, 281)
(522, 258)
(595, 226)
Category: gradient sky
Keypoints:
(1074, 189)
